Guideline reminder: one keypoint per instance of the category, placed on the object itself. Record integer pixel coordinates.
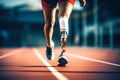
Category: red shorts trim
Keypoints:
(54, 5)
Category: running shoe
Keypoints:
(50, 52)
(62, 60)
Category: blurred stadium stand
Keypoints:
(97, 25)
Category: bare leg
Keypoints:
(49, 16)
(65, 9)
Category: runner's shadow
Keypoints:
(39, 66)
(85, 72)
(33, 66)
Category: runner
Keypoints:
(49, 10)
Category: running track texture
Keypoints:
(84, 64)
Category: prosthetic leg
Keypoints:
(62, 60)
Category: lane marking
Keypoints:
(10, 53)
(91, 59)
(57, 74)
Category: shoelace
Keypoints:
(49, 49)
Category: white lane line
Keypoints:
(57, 74)
(91, 59)
(10, 53)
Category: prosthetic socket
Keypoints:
(63, 27)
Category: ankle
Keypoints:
(51, 44)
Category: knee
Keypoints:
(49, 23)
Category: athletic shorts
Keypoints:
(53, 3)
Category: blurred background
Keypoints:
(96, 25)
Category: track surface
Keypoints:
(84, 64)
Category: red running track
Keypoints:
(84, 64)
